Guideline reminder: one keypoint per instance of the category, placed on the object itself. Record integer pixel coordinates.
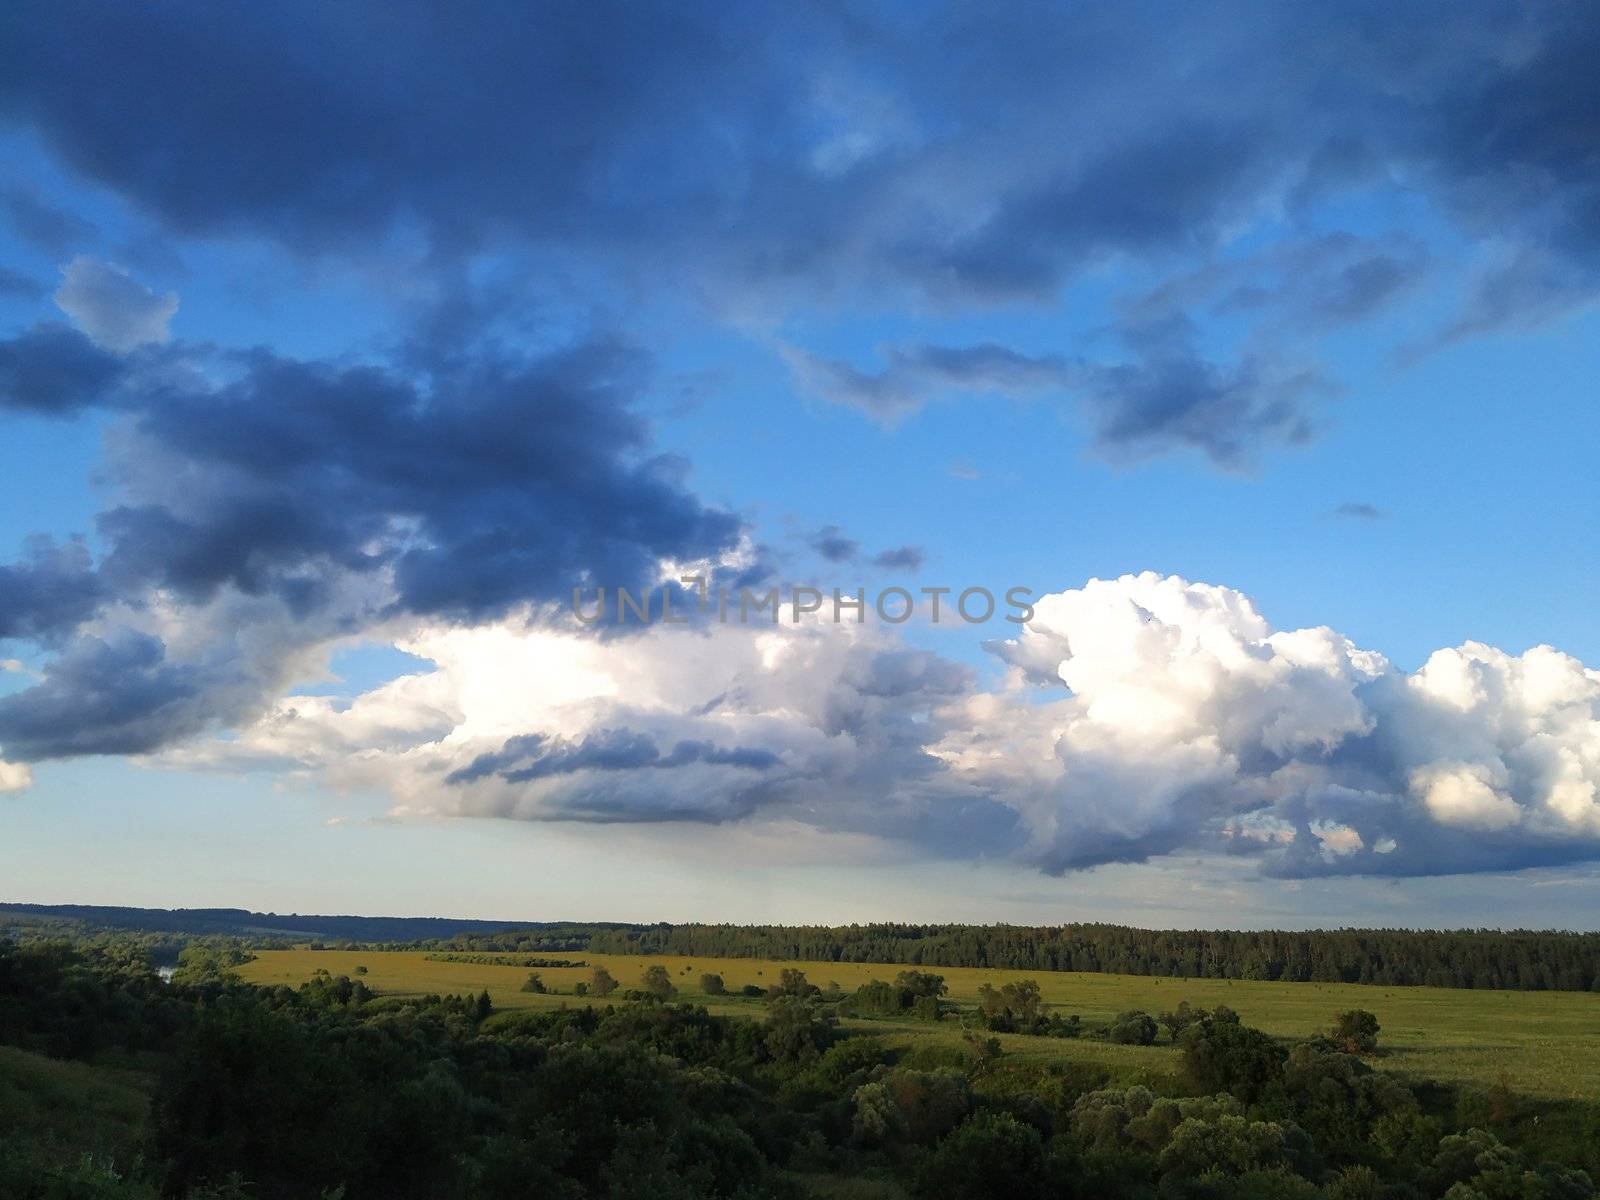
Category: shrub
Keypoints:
(1356, 1031)
(712, 985)
(1133, 1029)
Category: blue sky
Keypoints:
(336, 349)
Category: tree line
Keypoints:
(1479, 958)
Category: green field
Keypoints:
(1540, 1043)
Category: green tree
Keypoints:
(992, 1156)
(601, 982)
(712, 985)
(1016, 1006)
(931, 1102)
(1179, 1019)
(791, 982)
(1356, 1031)
(921, 983)
(534, 984)
(1133, 1029)
(798, 1030)
(658, 983)
(1224, 1056)
(1228, 1145)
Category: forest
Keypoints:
(1516, 960)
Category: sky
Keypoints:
(1244, 355)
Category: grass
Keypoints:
(1543, 1044)
(68, 1110)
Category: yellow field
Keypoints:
(1543, 1043)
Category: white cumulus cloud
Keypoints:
(1182, 711)
(1141, 716)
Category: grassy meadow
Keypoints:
(69, 1110)
(1540, 1043)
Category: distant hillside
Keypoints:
(239, 922)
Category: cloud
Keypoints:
(821, 724)
(116, 311)
(312, 501)
(1167, 396)
(266, 509)
(52, 229)
(1144, 717)
(49, 591)
(917, 373)
(1302, 285)
(15, 777)
(816, 149)
(1512, 147)
(832, 544)
(489, 483)
(1189, 722)
(14, 283)
(1163, 396)
(900, 558)
(105, 697)
(55, 371)
(1360, 510)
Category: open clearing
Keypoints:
(1541, 1043)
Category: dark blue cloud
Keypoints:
(52, 229)
(460, 492)
(968, 153)
(530, 757)
(15, 283)
(50, 591)
(319, 124)
(1169, 395)
(900, 558)
(55, 371)
(482, 486)
(106, 696)
(831, 543)
(966, 156)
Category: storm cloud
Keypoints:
(339, 496)
(51, 370)
(826, 139)
(767, 157)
